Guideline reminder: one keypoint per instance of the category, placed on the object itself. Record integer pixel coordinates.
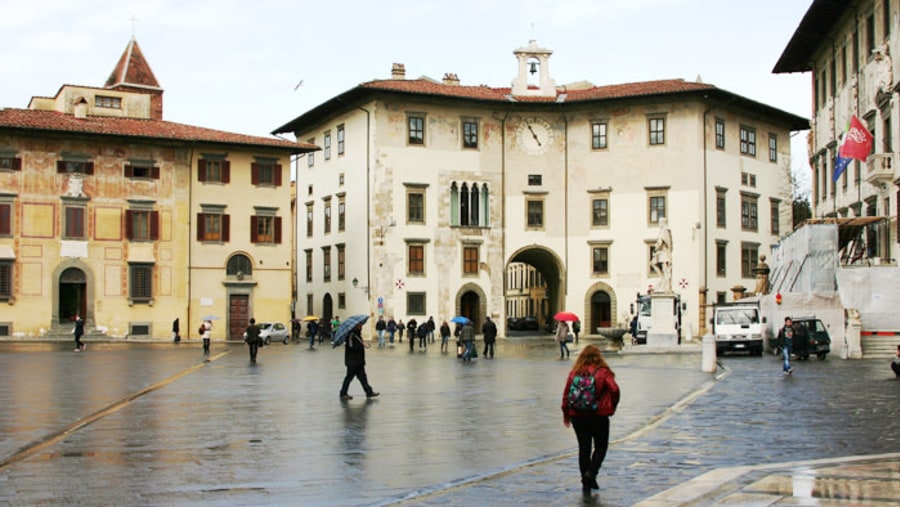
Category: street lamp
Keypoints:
(364, 288)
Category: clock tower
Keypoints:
(533, 60)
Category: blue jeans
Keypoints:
(786, 355)
(563, 350)
(381, 337)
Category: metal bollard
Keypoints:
(708, 362)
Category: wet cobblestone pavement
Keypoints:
(128, 424)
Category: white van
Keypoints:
(738, 328)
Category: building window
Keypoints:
(141, 225)
(340, 139)
(326, 226)
(721, 259)
(416, 126)
(415, 207)
(657, 208)
(341, 262)
(214, 170)
(326, 146)
(470, 260)
(748, 142)
(535, 210)
(74, 222)
(748, 179)
(773, 148)
(265, 173)
(535, 180)
(598, 135)
(326, 263)
(75, 166)
(720, 210)
(342, 301)
(239, 265)
(10, 163)
(600, 260)
(720, 134)
(657, 127)
(416, 263)
(309, 220)
(141, 170)
(6, 218)
(749, 213)
(265, 229)
(342, 214)
(309, 265)
(774, 214)
(469, 205)
(107, 102)
(6, 279)
(870, 34)
(415, 303)
(470, 134)
(749, 259)
(141, 282)
(600, 212)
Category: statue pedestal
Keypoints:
(662, 320)
(853, 345)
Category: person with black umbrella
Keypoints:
(354, 358)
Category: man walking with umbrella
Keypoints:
(350, 332)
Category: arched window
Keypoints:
(239, 265)
(476, 196)
(464, 205)
(454, 204)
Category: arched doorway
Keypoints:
(72, 295)
(601, 311)
(327, 307)
(544, 293)
(471, 303)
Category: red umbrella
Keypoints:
(566, 317)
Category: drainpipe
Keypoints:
(191, 241)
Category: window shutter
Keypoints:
(277, 230)
(254, 174)
(226, 171)
(60, 166)
(154, 225)
(277, 175)
(201, 226)
(17, 164)
(154, 172)
(226, 228)
(201, 170)
(254, 223)
(5, 219)
(88, 168)
(129, 171)
(129, 224)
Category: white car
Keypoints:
(272, 332)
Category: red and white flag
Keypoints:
(857, 141)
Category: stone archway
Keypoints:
(552, 270)
(600, 308)
(472, 303)
(73, 292)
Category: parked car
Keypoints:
(513, 323)
(272, 332)
(529, 323)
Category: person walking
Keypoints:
(422, 333)
(355, 361)
(576, 328)
(786, 341)
(591, 395)
(335, 324)
(489, 330)
(445, 336)
(467, 336)
(391, 329)
(562, 336)
(253, 339)
(400, 328)
(380, 328)
(206, 334)
(431, 328)
(311, 330)
(895, 363)
(411, 326)
(79, 332)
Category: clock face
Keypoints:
(534, 135)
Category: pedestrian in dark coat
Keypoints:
(355, 361)
(79, 332)
(411, 326)
(311, 330)
(489, 330)
(253, 339)
(786, 340)
(445, 336)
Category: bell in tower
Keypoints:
(533, 64)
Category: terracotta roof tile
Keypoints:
(53, 121)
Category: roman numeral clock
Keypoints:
(534, 135)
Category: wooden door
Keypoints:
(238, 316)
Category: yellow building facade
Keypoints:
(135, 223)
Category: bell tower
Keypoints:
(533, 60)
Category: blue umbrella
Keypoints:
(459, 319)
(346, 326)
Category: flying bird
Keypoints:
(299, 84)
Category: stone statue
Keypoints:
(661, 263)
(762, 276)
(75, 185)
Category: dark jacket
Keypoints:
(787, 337)
(467, 334)
(79, 328)
(489, 330)
(354, 350)
(253, 334)
(380, 325)
(607, 390)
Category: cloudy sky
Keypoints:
(234, 64)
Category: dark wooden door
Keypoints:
(238, 316)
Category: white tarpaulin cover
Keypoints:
(874, 292)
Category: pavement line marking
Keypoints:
(653, 422)
(38, 446)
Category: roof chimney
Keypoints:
(398, 71)
(451, 79)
